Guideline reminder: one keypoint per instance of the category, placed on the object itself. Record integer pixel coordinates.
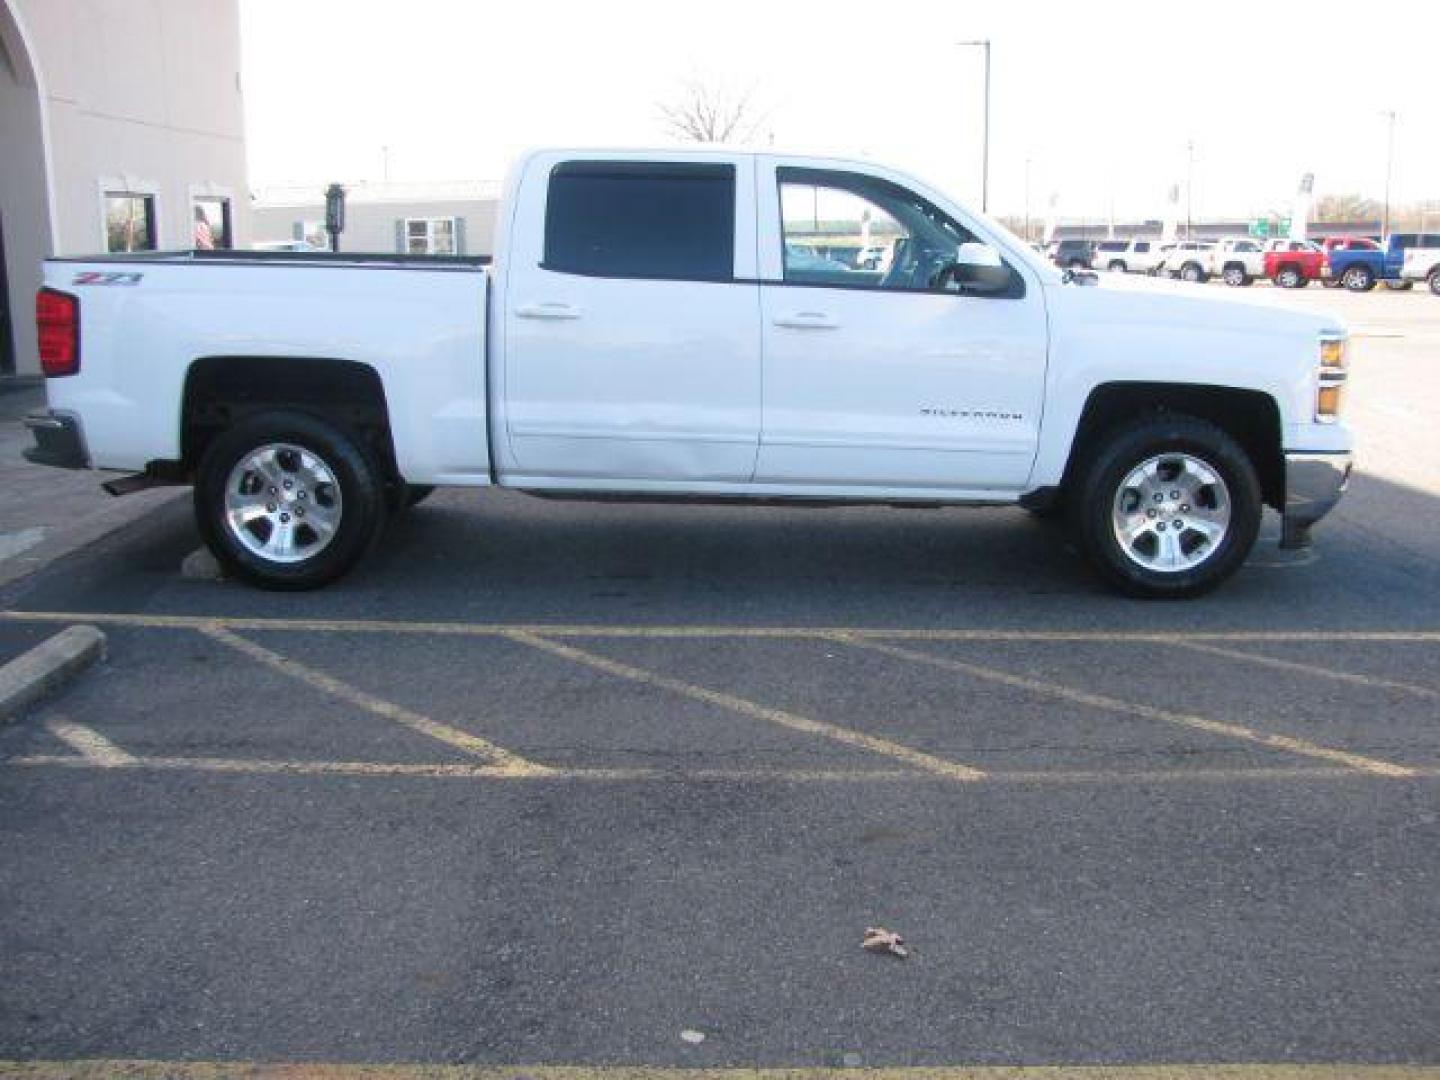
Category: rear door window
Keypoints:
(629, 219)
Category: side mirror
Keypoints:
(977, 268)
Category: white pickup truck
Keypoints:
(641, 334)
(1423, 264)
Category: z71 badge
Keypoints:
(97, 277)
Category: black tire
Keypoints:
(1123, 449)
(1358, 278)
(1235, 276)
(1434, 281)
(1117, 266)
(359, 505)
(1290, 277)
(1193, 272)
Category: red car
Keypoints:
(1293, 264)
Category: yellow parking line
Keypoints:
(918, 759)
(249, 1070)
(567, 630)
(468, 771)
(1100, 701)
(1312, 670)
(461, 740)
(93, 747)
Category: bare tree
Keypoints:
(708, 112)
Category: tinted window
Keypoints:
(642, 219)
(1142, 245)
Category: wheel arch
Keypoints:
(1251, 417)
(220, 391)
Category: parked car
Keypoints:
(874, 257)
(1237, 261)
(643, 334)
(1293, 264)
(1406, 243)
(1359, 264)
(1423, 264)
(801, 257)
(1189, 260)
(1127, 256)
(1072, 254)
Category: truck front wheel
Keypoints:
(1235, 275)
(287, 501)
(1167, 507)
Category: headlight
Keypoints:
(1331, 375)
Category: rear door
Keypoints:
(631, 346)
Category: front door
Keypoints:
(632, 349)
(916, 374)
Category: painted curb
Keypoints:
(48, 666)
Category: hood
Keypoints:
(1135, 299)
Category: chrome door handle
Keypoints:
(549, 310)
(807, 320)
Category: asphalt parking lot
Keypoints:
(598, 785)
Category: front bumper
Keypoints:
(59, 440)
(1313, 485)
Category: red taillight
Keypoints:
(57, 319)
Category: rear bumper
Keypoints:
(1313, 485)
(59, 440)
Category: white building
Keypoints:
(411, 218)
(121, 128)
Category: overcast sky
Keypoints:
(1101, 97)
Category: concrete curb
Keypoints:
(49, 665)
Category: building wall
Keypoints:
(372, 226)
(137, 95)
(24, 202)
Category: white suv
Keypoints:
(1128, 256)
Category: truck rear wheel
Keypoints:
(1168, 507)
(287, 501)
(1192, 271)
(1236, 276)
(1358, 278)
(1290, 277)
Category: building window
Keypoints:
(642, 220)
(212, 223)
(129, 221)
(430, 236)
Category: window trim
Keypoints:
(430, 222)
(214, 193)
(643, 167)
(134, 186)
(1016, 290)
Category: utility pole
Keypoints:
(1389, 163)
(1190, 190)
(984, 43)
(1027, 200)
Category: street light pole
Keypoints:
(1389, 165)
(985, 160)
(1189, 190)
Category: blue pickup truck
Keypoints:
(1359, 263)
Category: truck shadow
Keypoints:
(493, 556)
